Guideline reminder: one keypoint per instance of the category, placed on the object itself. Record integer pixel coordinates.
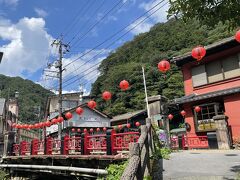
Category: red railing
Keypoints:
(120, 141)
(25, 148)
(95, 144)
(16, 148)
(101, 144)
(74, 145)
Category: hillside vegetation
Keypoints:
(164, 40)
(31, 96)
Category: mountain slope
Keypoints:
(31, 96)
(164, 40)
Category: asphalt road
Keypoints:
(201, 165)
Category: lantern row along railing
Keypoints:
(110, 143)
(190, 142)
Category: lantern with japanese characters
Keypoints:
(163, 66)
(198, 53)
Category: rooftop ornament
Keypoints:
(198, 53)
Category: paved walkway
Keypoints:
(202, 165)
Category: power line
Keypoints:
(100, 20)
(116, 33)
(89, 19)
(116, 40)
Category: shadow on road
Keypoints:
(158, 169)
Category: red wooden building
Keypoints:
(214, 85)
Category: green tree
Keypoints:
(209, 12)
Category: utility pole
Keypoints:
(58, 65)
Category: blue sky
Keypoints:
(28, 27)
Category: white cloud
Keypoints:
(27, 48)
(40, 12)
(12, 3)
(154, 17)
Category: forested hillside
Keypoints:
(31, 96)
(164, 40)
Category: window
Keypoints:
(204, 119)
(216, 71)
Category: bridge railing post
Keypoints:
(66, 144)
(82, 143)
(113, 140)
(86, 143)
(109, 141)
(49, 146)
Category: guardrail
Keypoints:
(109, 143)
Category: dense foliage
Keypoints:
(164, 40)
(31, 96)
(208, 12)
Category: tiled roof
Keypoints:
(128, 115)
(195, 97)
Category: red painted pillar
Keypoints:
(86, 143)
(65, 144)
(113, 140)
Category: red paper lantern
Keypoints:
(98, 129)
(48, 123)
(25, 126)
(91, 130)
(60, 119)
(124, 85)
(128, 125)
(68, 115)
(92, 104)
(79, 110)
(35, 125)
(31, 126)
(85, 130)
(120, 126)
(54, 121)
(198, 53)
(41, 125)
(78, 130)
(183, 113)
(21, 126)
(73, 130)
(14, 125)
(237, 36)
(163, 66)
(170, 116)
(137, 124)
(104, 129)
(197, 109)
(106, 95)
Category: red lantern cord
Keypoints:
(106, 95)
(237, 36)
(92, 104)
(163, 66)
(197, 109)
(198, 53)
(79, 110)
(170, 116)
(124, 85)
